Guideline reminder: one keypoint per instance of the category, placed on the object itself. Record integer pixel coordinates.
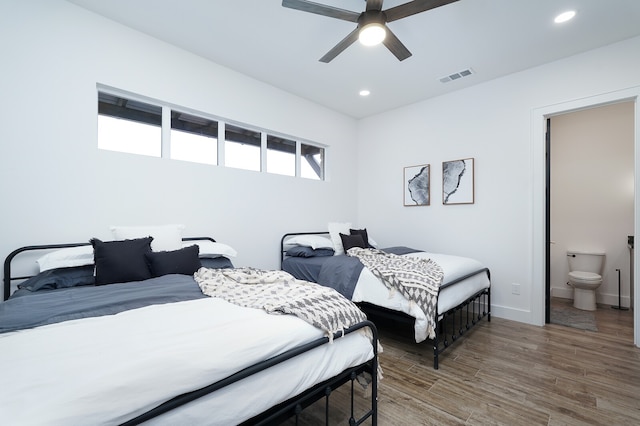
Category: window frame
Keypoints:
(143, 116)
(166, 128)
(205, 126)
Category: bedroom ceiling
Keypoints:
(281, 47)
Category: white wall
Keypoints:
(592, 189)
(491, 122)
(56, 186)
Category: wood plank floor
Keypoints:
(507, 373)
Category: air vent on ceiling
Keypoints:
(456, 76)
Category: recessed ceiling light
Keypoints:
(565, 16)
(365, 93)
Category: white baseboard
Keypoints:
(512, 314)
(563, 293)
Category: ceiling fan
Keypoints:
(372, 28)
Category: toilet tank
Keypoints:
(586, 261)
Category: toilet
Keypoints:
(585, 276)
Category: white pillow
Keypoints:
(65, 258)
(211, 249)
(335, 229)
(165, 237)
(313, 241)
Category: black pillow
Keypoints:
(60, 278)
(121, 261)
(363, 234)
(349, 241)
(184, 261)
(304, 251)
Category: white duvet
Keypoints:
(370, 289)
(107, 370)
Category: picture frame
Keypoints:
(417, 185)
(458, 185)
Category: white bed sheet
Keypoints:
(371, 290)
(104, 370)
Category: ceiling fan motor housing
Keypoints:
(372, 17)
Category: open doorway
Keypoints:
(538, 204)
(589, 212)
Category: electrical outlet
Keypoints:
(515, 288)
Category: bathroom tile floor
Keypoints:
(608, 320)
(506, 373)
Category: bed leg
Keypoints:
(298, 411)
(374, 385)
(438, 332)
(327, 392)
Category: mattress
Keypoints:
(108, 369)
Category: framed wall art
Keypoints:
(416, 185)
(458, 181)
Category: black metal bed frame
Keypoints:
(295, 405)
(274, 415)
(450, 325)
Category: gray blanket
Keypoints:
(342, 272)
(49, 307)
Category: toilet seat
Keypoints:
(586, 277)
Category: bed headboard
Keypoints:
(8, 278)
(285, 237)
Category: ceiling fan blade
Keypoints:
(338, 48)
(374, 5)
(396, 47)
(413, 7)
(321, 9)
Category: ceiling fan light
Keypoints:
(372, 34)
(565, 16)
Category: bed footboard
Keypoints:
(295, 405)
(460, 319)
(450, 325)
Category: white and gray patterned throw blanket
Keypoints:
(278, 292)
(417, 279)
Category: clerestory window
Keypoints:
(139, 126)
